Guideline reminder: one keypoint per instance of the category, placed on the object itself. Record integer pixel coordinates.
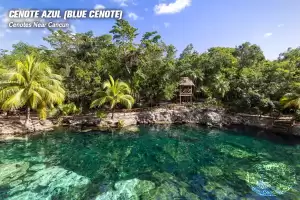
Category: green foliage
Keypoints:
(65, 110)
(291, 100)
(114, 92)
(69, 109)
(120, 124)
(31, 84)
(240, 78)
(101, 114)
(211, 102)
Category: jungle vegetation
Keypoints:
(76, 66)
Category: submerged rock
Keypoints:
(130, 189)
(234, 152)
(131, 129)
(135, 189)
(269, 179)
(12, 171)
(29, 196)
(211, 171)
(47, 183)
(58, 181)
(219, 191)
(170, 188)
(37, 167)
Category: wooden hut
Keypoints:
(186, 90)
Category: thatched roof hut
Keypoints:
(185, 81)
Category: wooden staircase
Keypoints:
(282, 125)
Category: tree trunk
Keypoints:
(112, 113)
(27, 116)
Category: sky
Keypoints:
(274, 25)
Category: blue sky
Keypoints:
(272, 24)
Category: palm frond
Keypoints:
(111, 80)
(115, 92)
(31, 83)
(15, 101)
(106, 85)
(127, 102)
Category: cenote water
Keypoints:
(157, 162)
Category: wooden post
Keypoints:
(180, 94)
(191, 94)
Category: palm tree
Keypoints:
(221, 86)
(115, 92)
(291, 100)
(32, 85)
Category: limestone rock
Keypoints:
(170, 191)
(296, 130)
(37, 167)
(130, 189)
(47, 183)
(170, 188)
(14, 126)
(131, 129)
(58, 181)
(212, 118)
(29, 196)
(269, 178)
(12, 171)
(219, 191)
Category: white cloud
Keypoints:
(1, 34)
(45, 31)
(172, 8)
(73, 28)
(4, 18)
(99, 7)
(167, 24)
(268, 35)
(133, 16)
(7, 30)
(122, 3)
(280, 25)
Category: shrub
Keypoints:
(69, 109)
(101, 114)
(65, 110)
(212, 102)
(121, 124)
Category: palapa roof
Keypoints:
(185, 81)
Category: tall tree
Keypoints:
(124, 35)
(32, 85)
(82, 59)
(249, 54)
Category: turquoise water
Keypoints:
(157, 162)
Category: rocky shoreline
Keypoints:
(179, 115)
